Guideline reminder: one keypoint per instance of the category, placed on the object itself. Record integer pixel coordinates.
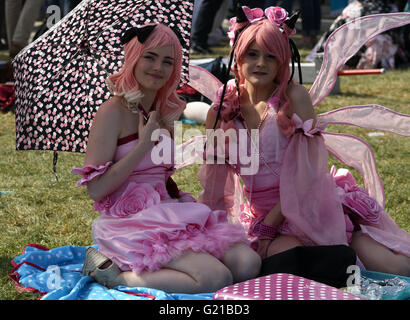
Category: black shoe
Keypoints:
(199, 49)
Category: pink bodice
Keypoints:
(262, 188)
(145, 186)
(147, 171)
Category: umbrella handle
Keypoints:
(55, 159)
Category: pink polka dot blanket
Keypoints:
(282, 286)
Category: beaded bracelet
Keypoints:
(264, 232)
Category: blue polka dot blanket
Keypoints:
(56, 275)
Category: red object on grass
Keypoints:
(6, 96)
(358, 72)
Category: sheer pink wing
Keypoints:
(222, 189)
(370, 117)
(345, 41)
(357, 154)
(204, 82)
(189, 152)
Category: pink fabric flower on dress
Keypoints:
(354, 197)
(104, 205)
(229, 94)
(230, 107)
(192, 228)
(247, 216)
(365, 206)
(276, 15)
(343, 178)
(136, 197)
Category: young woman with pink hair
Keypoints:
(148, 234)
(293, 199)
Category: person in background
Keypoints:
(20, 23)
(311, 15)
(203, 23)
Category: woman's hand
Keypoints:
(263, 246)
(145, 130)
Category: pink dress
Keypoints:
(320, 207)
(142, 228)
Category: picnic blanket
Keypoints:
(56, 275)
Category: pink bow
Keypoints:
(253, 15)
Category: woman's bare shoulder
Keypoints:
(301, 102)
(111, 108)
(108, 118)
(211, 118)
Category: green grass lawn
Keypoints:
(53, 213)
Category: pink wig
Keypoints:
(271, 39)
(171, 106)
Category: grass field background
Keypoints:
(39, 209)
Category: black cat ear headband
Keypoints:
(143, 33)
(289, 25)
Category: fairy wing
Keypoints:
(373, 117)
(204, 82)
(344, 42)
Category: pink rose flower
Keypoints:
(136, 197)
(343, 178)
(230, 107)
(363, 205)
(247, 215)
(192, 228)
(357, 199)
(276, 15)
(230, 92)
(104, 205)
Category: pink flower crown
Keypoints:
(275, 15)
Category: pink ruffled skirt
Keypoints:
(152, 237)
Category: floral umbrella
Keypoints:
(60, 77)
